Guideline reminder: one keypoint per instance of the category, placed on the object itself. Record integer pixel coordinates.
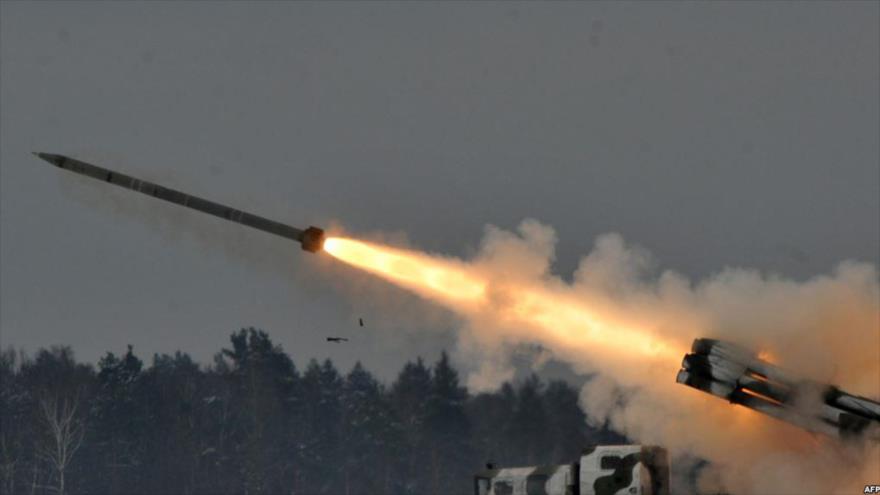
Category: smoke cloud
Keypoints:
(826, 328)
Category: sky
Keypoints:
(713, 135)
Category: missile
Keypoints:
(734, 373)
(311, 239)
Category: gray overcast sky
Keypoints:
(712, 134)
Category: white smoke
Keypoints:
(826, 328)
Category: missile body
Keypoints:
(731, 372)
(311, 239)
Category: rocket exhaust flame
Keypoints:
(557, 317)
(410, 270)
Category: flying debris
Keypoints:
(311, 239)
(338, 340)
(361, 321)
(738, 375)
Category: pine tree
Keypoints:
(264, 383)
(450, 455)
(175, 409)
(322, 451)
(567, 423)
(218, 461)
(409, 396)
(369, 434)
(491, 415)
(119, 423)
(530, 422)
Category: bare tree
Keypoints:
(65, 437)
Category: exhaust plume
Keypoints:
(631, 329)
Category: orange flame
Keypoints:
(408, 269)
(558, 317)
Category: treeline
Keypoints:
(252, 422)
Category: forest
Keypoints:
(254, 422)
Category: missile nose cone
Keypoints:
(49, 157)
